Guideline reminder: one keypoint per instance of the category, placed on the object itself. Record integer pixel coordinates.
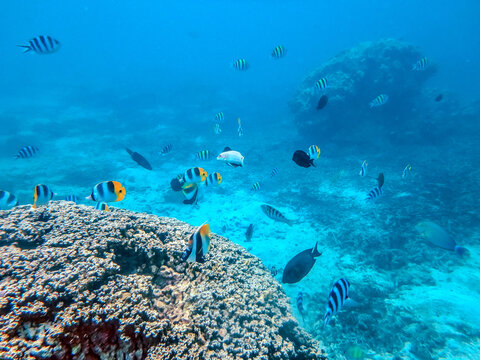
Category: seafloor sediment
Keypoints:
(77, 283)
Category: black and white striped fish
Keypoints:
(213, 179)
(379, 100)
(364, 170)
(336, 299)
(101, 206)
(300, 308)
(219, 117)
(195, 175)
(278, 52)
(421, 64)
(73, 198)
(42, 195)
(314, 152)
(255, 186)
(321, 84)
(190, 191)
(198, 245)
(166, 149)
(203, 155)
(26, 152)
(375, 193)
(7, 200)
(240, 64)
(217, 129)
(274, 172)
(42, 45)
(274, 214)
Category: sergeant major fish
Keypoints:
(336, 299)
(219, 117)
(321, 84)
(421, 64)
(379, 100)
(278, 52)
(198, 245)
(26, 152)
(274, 172)
(108, 191)
(255, 186)
(203, 155)
(375, 193)
(240, 64)
(300, 305)
(274, 214)
(42, 45)
(364, 170)
(166, 149)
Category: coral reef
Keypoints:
(77, 283)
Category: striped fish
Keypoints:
(166, 149)
(107, 191)
(274, 214)
(278, 52)
(7, 200)
(213, 179)
(336, 299)
(26, 152)
(321, 84)
(190, 191)
(255, 186)
(364, 170)
(406, 171)
(240, 64)
(300, 305)
(219, 117)
(217, 129)
(101, 206)
(314, 152)
(203, 155)
(72, 198)
(421, 64)
(379, 100)
(42, 45)
(195, 175)
(42, 195)
(375, 193)
(240, 129)
(198, 245)
(274, 172)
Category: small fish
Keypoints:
(375, 193)
(213, 179)
(42, 45)
(139, 159)
(274, 172)
(42, 195)
(355, 352)
(300, 265)
(364, 170)
(314, 152)
(7, 200)
(300, 305)
(101, 206)
(240, 129)
(219, 117)
(274, 214)
(379, 100)
(273, 271)
(72, 198)
(231, 158)
(166, 149)
(217, 129)
(198, 245)
(322, 102)
(337, 297)
(203, 155)
(406, 171)
(195, 175)
(241, 64)
(436, 236)
(255, 186)
(439, 97)
(421, 64)
(249, 232)
(321, 84)
(302, 159)
(190, 191)
(278, 52)
(26, 152)
(107, 191)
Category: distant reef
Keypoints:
(78, 283)
(358, 75)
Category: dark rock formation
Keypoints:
(77, 283)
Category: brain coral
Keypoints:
(78, 283)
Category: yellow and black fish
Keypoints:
(314, 152)
(42, 195)
(190, 191)
(107, 191)
(213, 179)
(195, 175)
(198, 245)
(102, 206)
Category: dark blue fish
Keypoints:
(300, 305)
(26, 152)
(301, 158)
(336, 299)
(439, 97)
(322, 102)
(249, 233)
(139, 159)
(42, 45)
(300, 265)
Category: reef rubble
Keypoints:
(78, 283)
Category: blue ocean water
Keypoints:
(147, 74)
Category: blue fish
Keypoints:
(42, 45)
(336, 299)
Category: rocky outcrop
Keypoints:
(78, 283)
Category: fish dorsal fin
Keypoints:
(315, 251)
(227, 149)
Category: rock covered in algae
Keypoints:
(355, 78)
(77, 283)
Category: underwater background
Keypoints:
(145, 75)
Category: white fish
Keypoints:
(231, 157)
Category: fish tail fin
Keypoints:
(460, 250)
(26, 47)
(315, 251)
